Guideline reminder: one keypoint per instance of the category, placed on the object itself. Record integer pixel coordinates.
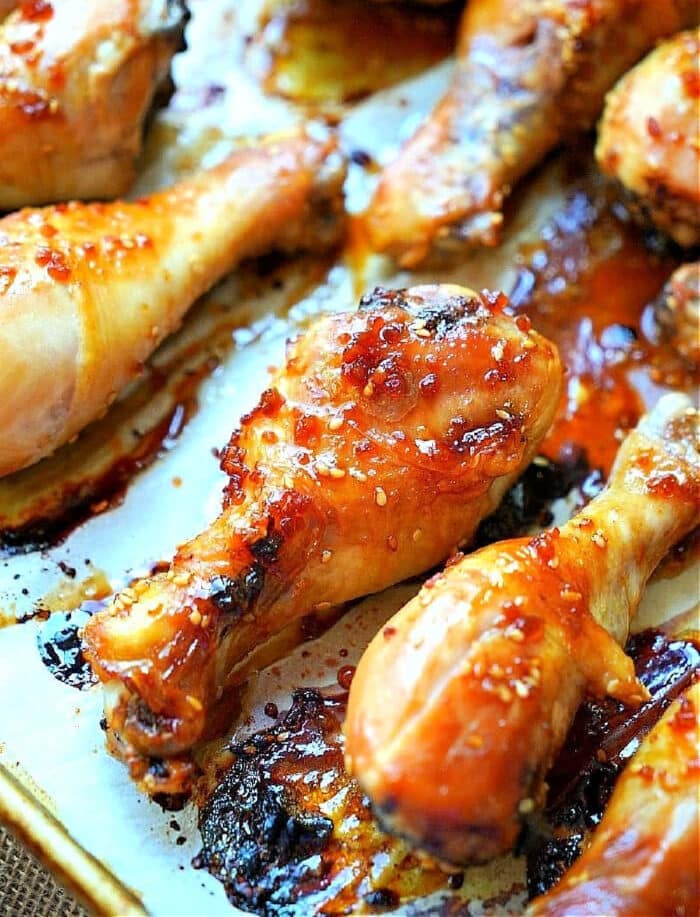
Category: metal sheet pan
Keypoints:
(58, 789)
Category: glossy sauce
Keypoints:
(589, 286)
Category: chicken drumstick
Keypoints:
(389, 434)
(87, 291)
(460, 704)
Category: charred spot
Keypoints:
(158, 768)
(234, 595)
(441, 317)
(381, 899)
(381, 298)
(266, 549)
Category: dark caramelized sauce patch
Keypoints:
(60, 648)
(603, 738)
(288, 832)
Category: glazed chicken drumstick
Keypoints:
(460, 704)
(77, 81)
(87, 291)
(649, 137)
(643, 858)
(528, 73)
(385, 439)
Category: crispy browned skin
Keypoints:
(459, 705)
(76, 82)
(643, 859)
(87, 291)
(528, 73)
(388, 435)
(649, 137)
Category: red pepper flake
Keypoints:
(7, 275)
(523, 323)
(36, 10)
(21, 47)
(691, 82)
(54, 262)
(47, 230)
(653, 128)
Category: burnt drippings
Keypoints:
(603, 738)
(60, 648)
(528, 502)
(289, 833)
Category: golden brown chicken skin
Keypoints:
(385, 439)
(643, 859)
(66, 350)
(528, 74)
(77, 80)
(461, 702)
(649, 137)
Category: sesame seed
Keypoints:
(181, 579)
(525, 806)
(337, 473)
(599, 539)
(326, 556)
(196, 617)
(422, 333)
(417, 535)
(358, 475)
(335, 423)
(504, 415)
(380, 497)
(322, 469)
(194, 702)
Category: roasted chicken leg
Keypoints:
(643, 858)
(649, 137)
(460, 704)
(389, 434)
(77, 80)
(528, 73)
(87, 291)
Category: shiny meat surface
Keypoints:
(77, 81)
(387, 437)
(649, 137)
(482, 673)
(66, 351)
(643, 858)
(528, 75)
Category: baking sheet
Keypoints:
(49, 733)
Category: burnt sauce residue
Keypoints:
(60, 648)
(603, 738)
(288, 832)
